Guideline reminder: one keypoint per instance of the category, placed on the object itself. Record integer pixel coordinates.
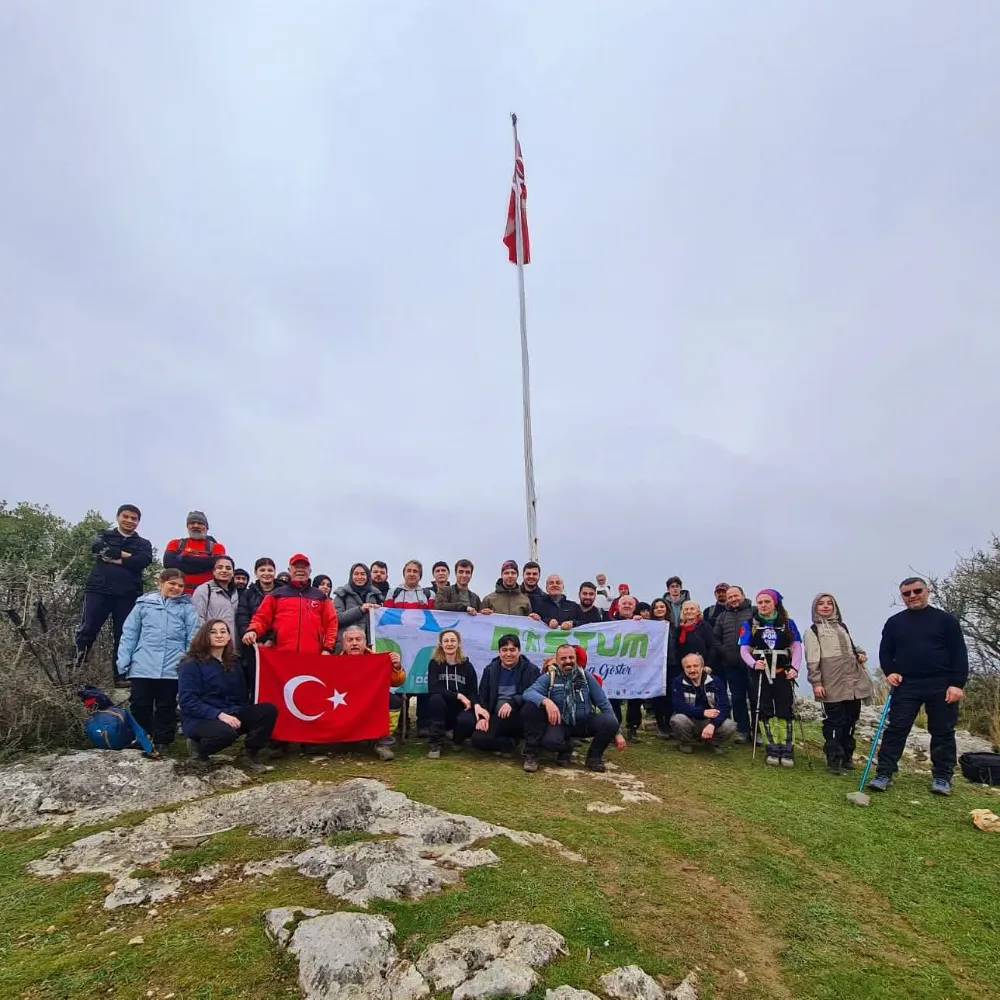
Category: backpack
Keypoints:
(854, 649)
(111, 727)
(983, 768)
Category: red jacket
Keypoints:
(302, 618)
(194, 557)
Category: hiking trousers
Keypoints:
(838, 729)
(447, 714)
(941, 721)
(256, 723)
(502, 734)
(633, 711)
(97, 609)
(736, 679)
(153, 702)
(539, 735)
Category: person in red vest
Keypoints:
(302, 617)
(195, 554)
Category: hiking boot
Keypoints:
(595, 764)
(383, 752)
(772, 759)
(662, 734)
(848, 764)
(632, 734)
(564, 759)
(198, 766)
(834, 767)
(717, 748)
(685, 747)
(161, 749)
(940, 786)
(434, 753)
(787, 762)
(741, 738)
(530, 764)
(249, 761)
(880, 783)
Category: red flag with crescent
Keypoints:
(325, 699)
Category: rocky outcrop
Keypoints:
(92, 786)
(630, 983)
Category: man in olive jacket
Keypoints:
(508, 598)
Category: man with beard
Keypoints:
(530, 576)
(242, 579)
(507, 598)
(589, 613)
(195, 554)
(501, 698)
(380, 578)
(457, 596)
(730, 667)
(555, 609)
(719, 606)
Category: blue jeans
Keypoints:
(736, 681)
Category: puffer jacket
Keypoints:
(156, 636)
(205, 690)
(212, 601)
(727, 627)
(303, 619)
(250, 601)
(347, 603)
(506, 601)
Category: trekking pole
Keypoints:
(802, 728)
(756, 718)
(859, 797)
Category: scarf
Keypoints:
(685, 630)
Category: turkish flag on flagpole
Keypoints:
(518, 201)
(325, 699)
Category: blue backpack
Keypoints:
(110, 726)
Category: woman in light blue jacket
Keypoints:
(154, 640)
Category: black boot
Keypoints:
(250, 762)
(833, 764)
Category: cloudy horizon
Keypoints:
(253, 265)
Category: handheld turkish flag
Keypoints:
(325, 699)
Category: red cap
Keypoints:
(622, 588)
(581, 656)
(299, 557)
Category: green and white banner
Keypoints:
(630, 657)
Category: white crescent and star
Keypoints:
(292, 686)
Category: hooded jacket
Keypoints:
(452, 597)
(675, 607)
(832, 658)
(212, 601)
(110, 578)
(525, 674)
(302, 618)
(347, 601)
(452, 679)
(156, 636)
(508, 600)
(727, 626)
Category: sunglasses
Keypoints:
(913, 592)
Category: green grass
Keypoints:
(741, 867)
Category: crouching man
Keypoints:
(355, 645)
(566, 702)
(700, 706)
(501, 697)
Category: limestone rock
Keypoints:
(134, 891)
(505, 977)
(569, 993)
(207, 873)
(91, 786)
(280, 922)
(479, 858)
(270, 866)
(605, 808)
(629, 982)
(687, 989)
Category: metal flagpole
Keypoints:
(529, 466)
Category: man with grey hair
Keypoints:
(555, 609)
(194, 555)
(700, 707)
(925, 661)
(355, 643)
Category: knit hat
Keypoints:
(238, 572)
(197, 515)
(773, 594)
(509, 564)
(440, 562)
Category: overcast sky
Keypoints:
(250, 262)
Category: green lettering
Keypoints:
(602, 646)
(636, 645)
(529, 640)
(554, 639)
(584, 637)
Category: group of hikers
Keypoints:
(731, 670)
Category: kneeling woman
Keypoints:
(215, 710)
(452, 690)
(771, 646)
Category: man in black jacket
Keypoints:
(730, 666)
(555, 609)
(925, 662)
(114, 583)
(710, 614)
(589, 613)
(250, 600)
(501, 691)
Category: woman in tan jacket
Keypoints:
(838, 678)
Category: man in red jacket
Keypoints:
(194, 555)
(301, 617)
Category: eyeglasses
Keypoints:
(912, 592)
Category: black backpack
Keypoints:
(983, 768)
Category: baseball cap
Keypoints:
(722, 586)
(299, 557)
